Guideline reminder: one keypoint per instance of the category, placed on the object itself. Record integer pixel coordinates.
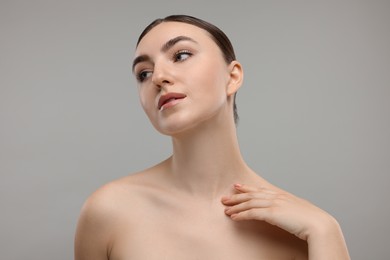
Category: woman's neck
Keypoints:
(206, 161)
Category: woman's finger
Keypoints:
(242, 197)
(261, 214)
(245, 188)
(250, 204)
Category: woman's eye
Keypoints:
(143, 75)
(182, 55)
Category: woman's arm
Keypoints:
(327, 242)
(295, 215)
(92, 234)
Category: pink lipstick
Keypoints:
(169, 99)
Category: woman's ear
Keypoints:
(236, 76)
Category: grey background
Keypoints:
(314, 109)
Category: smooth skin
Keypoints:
(203, 202)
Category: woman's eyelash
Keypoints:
(182, 55)
(179, 56)
(141, 76)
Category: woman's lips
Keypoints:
(169, 100)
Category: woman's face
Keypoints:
(182, 77)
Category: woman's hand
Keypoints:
(277, 207)
(295, 215)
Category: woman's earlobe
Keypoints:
(236, 75)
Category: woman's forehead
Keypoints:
(165, 31)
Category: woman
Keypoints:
(203, 202)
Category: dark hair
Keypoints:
(217, 35)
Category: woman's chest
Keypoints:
(199, 237)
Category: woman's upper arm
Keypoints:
(92, 239)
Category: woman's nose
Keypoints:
(161, 75)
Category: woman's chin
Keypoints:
(179, 126)
(173, 129)
(181, 123)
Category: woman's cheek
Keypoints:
(146, 101)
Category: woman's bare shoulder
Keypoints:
(113, 201)
(129, 189)
(117, 190)
(106, 210)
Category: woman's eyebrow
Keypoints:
(168, 45)
(139, 59)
